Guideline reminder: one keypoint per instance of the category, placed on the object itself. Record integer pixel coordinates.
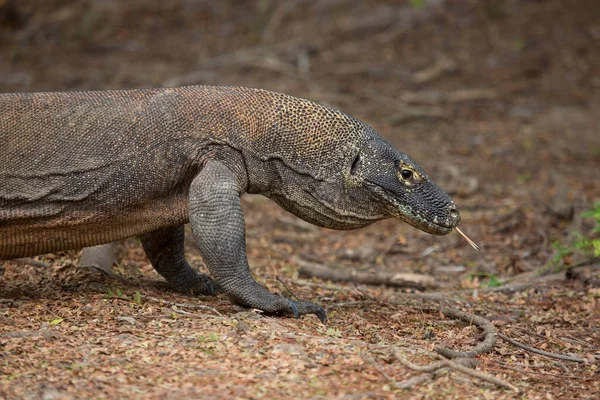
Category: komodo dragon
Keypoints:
(80, 169)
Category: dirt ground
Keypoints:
(498, 100)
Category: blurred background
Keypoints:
(497, 100)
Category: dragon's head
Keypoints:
(400, 188)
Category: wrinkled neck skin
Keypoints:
(365, 187)
(328, 203)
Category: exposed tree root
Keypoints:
(488, 328)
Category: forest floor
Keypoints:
(498, 101)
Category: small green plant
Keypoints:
(587, 246)
(487, 280)
(137, 298)
(594, 243)
(418, 4)
(211, 337)
(118, 294)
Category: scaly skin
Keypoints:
(86, 168)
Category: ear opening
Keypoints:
(355, 163)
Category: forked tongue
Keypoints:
(472, 243)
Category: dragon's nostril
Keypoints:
(454, 212)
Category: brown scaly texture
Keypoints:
(85, 168)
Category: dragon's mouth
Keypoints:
(410, 216)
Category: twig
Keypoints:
(406, 384)
(347, 304)
(287, 288)
(445, 363)
(540, 352)
(189, 314)
(198, 307)
(378, 369)
(488, 328)
(424, 368)
(414, 381)
(563, 367)
(322, 286)
(181, 305)
(478, 374)
(539, 373)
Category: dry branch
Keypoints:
(347, 304)
(406, 280)
(181, 305)
(414, 381)
(323, 286)
(540, 352)
(193, 315)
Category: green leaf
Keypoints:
(56, 321)
(596, 245)
(494, 282)
(417, 4)
(137, 298)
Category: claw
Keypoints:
(211, 288)
(202, 285)
(294, 308)
(208, 287)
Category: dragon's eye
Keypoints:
(406, 174)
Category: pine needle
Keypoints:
(472, 243)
